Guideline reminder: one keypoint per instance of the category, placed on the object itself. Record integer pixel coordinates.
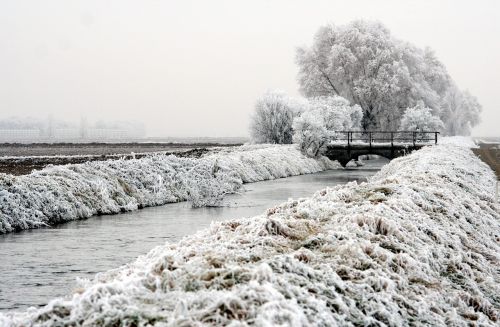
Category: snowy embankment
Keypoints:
(416, 245)
(63, 193)
(464, 141)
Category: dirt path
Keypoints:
(490, 153)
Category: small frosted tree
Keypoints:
(310, 133)
(318, 125)
(273, 118)
(420, 118)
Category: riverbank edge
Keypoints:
(376, 252)
(21, 162)
(78, 191)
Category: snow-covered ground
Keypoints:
(63, 193)
(464, 141)
(416, 245)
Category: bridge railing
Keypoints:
(370, 137)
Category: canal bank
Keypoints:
(42, 264)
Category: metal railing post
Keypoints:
(435, 137)
(392, 139)
(414, 138)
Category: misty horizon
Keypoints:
(196, 69)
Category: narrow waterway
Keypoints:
(38, 265)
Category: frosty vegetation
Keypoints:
(273, 117)
(416, 245)
(461, 111)
(462, 141)
(420, 118)
(311, 123)
(365, 64)
(316, 126)
(64, 193)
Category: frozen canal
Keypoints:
(38, 265)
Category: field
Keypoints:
(490, 153)
(20, 159)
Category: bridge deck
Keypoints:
(389, 144)
(377, 145)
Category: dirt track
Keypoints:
(490, 153)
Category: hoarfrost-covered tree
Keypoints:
(337, 113)
(420, 118)
(311, 133)
(273, 118)
(326, 115)
(460, 111)
(365, 64)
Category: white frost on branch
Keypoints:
(273, 117)
(420, 118)
(460, 111)
(364, 63)
(315, 127)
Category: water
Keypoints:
(38, 265)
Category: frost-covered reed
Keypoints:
(64, 193)
(416, 245)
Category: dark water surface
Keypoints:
(38, 265)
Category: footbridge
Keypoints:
(389, 144)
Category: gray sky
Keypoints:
(195, 67)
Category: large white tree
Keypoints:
(365, 64)
(273, 118)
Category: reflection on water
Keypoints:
(38, 265)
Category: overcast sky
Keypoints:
(195, 68)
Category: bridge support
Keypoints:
(343, 154)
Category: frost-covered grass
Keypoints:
(63, 193)
(416, 245)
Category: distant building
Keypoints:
(14, 130)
